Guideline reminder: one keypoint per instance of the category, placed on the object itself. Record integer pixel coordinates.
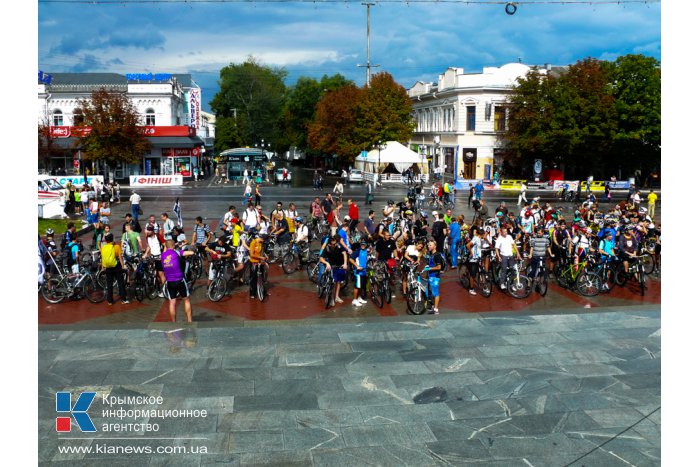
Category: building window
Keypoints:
(150, 117)
(471, 118)
(499, 118)
(57, 118)
(78, 117)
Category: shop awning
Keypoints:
(175, 142)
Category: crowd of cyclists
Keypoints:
(402, 248)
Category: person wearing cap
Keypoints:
(359, 260)
(580, 245)
(301, 233)
(114, 270)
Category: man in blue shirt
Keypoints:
(359, 260)
(455, 237)
(478, 190)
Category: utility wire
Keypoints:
(471, 2)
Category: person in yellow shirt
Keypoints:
(651, 199)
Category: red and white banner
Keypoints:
(152, 131)
(155, 180)
(179, 152)
(195, 105)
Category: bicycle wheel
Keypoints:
(328, 295)
(642, 281)
(647, 262)
(262, 292)
(484, 284)
(51, 291)
(620, 275)
(588, 284)
(151, 287)
(464, 275)
(518, 286)
(101, 278)
(196, 266)
(139, 290)
(375, 293)
(289, 264)
(607, 280)
(541, 283)
(560, 271)
(246, 273)
(415, 300)
(217, 289)
(386, 288)
(312, 272)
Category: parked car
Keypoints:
(333, 172)
(355, 176)
(279, 176)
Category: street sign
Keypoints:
(364, 154)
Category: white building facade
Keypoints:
(171, 119)
(458, 120)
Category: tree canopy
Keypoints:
(254, 95)
(115, 135)
(350, 119)
(597, 116)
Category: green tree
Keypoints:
(229, 134)
(636, 86)
(383, 113)
(115, 135)
(300, 107)
(254, 94)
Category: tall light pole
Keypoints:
(368, 65)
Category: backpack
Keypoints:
(290, 223)
(109, 256)
(126, 246)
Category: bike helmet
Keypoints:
(390, 202)
(528, 213)
(299, 219)
(49, 231)
(642, 211)
(424, 214)
(577, 213)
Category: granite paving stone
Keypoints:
(255, 441)
(255, 420)
(411, 454)
(277, 458)
(378, 435)
(328, 418)
(515, 389)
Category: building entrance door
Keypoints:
(469, 160)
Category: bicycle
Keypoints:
(60, 287)
(518, 285)
(418, 296)
(482, 282)
(635, 270)
(325, 287)
(604, 268)
(262, 281)
(541, 281)
(375, 287)
(578, 277)
(222, 284)
(296, 256)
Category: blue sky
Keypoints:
(413, 42)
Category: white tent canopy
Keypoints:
(392, 153)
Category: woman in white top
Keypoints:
(264, 225)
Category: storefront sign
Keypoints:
(194, 108)
(153, 131)
(78, 179)
(619, 185)
(148, 77)
(155, 180)
(558, 184)
(179, 152)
